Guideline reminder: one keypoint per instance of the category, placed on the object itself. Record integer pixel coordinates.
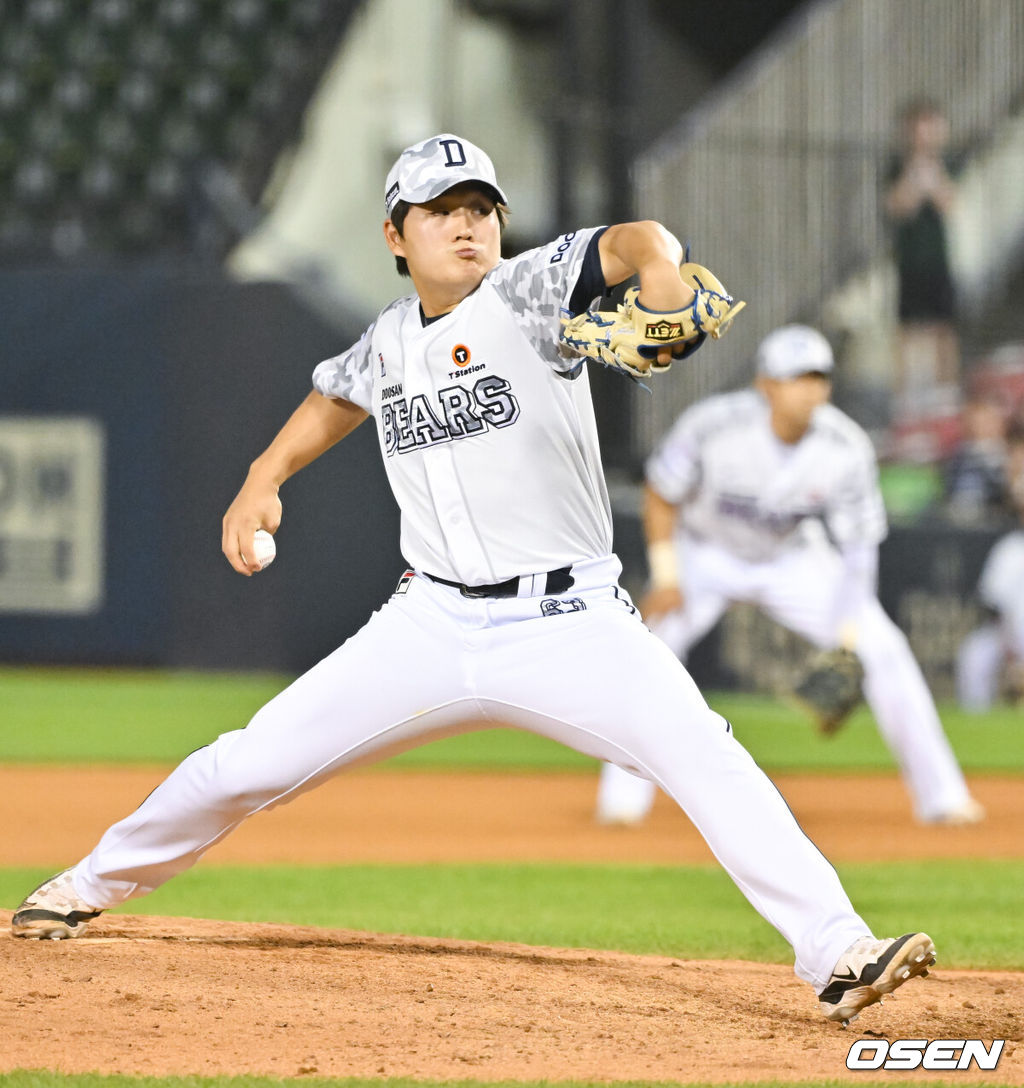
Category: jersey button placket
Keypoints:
(454, 519)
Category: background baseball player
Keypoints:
(770, 495)
(511, 611)
(996, 649)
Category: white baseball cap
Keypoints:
(792, 350)
(431, 167)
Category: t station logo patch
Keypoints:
(462, 357)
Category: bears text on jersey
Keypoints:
(461, 412)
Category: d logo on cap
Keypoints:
(451, 148)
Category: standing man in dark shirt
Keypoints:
(919, 196)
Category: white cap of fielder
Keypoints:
(793, 350)
(431, 167)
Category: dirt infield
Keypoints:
(159, 996)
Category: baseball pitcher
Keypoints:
(510, 611)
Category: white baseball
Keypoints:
(263, 548)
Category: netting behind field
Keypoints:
(776, 181)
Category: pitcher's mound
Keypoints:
(159, 996)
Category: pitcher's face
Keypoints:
(450, 244)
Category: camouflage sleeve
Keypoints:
(538, 285)
(348, 376)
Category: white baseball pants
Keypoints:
(979, 665)
(581, 669)
(797, 591)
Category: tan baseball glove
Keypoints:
(830, 689)
(630, 337)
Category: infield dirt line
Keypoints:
(419, 817)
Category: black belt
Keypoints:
(556, 581)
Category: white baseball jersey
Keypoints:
(1001, 586)
(756, 496)
(983, 654)
(493, 456)
(454, 399)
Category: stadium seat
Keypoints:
(108, 101)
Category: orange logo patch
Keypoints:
(460, 355)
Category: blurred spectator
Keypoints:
(919, 194)
(993, 653)
(974, 476)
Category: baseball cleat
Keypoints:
(970, 812)
(869, 969)
(53, 911)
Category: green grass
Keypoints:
(123, 715)
(30, 1079)
(138, 716)
(780, 738)
(693, 912)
